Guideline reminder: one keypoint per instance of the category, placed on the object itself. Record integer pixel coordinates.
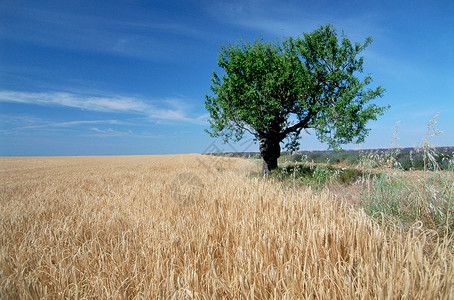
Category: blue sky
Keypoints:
(129, 77)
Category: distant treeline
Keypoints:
(406, 158)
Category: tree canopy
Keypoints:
(275, 90)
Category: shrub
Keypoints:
(316, 176)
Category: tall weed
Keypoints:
(425, 196)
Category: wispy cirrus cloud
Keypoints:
(157, 110)
(133, 36)
(67, 124)
(95, 103)
(109, 132)
(275, 21)
(20, 125)
(17, 125)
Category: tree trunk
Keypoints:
(270, 150)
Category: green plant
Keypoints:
(389, 199)
(349, 176)
(428, 200)
(316, 157)
(323, 175)
(315, 176)
(406, 198)
(337, 157)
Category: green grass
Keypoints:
(391, 191)
(425, 198)
(409, 198)
(316, 176)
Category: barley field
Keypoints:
(194, 226)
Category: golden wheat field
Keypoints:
(194, 226)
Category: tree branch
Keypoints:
(242, 126)
(298, 126)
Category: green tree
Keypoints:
(275, 90)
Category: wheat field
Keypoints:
(194, 226)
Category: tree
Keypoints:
(274, 91)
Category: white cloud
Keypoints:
(67, 124)
(19, 125)
(109, 132)
(94, 103)
(167, 109)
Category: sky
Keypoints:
(82, 77)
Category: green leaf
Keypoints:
(275, 90)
